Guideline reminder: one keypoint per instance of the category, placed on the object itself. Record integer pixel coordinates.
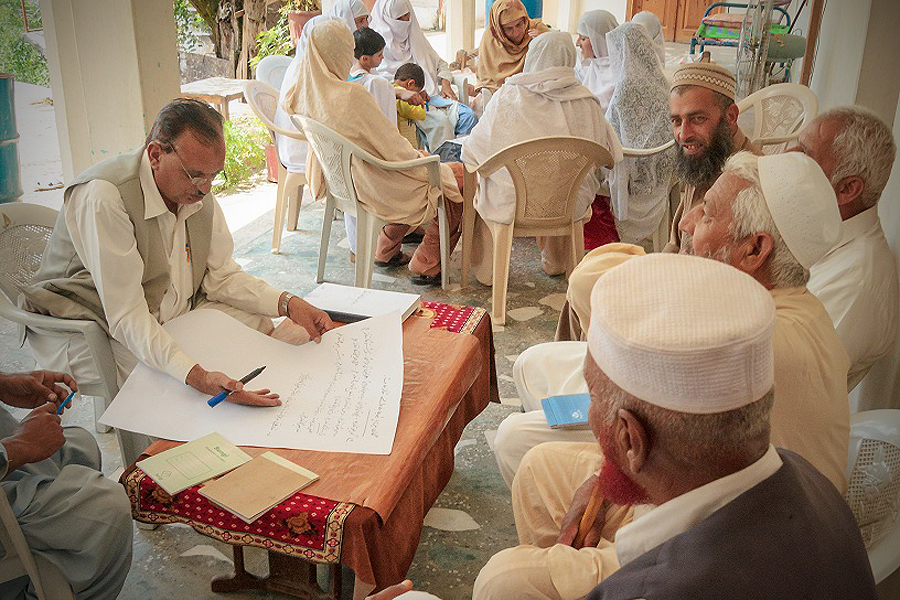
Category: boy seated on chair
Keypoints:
(409, 76)
(71, 515)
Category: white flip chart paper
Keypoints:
(342, 395)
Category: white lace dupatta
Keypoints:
(639, 112)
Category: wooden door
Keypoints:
(679, 18)
(690, 13)
(665, 11)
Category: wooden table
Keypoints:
(218, 91)
(365, 511)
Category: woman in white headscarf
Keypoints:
(545, 99)
(354, 14)
(654, 30)
(639, 112)
(593, 68)
(323, 93)
(396, 21)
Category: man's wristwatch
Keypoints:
(283, 303)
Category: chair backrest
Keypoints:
(547, 173)
(333, 151)
(634, 152)
(270, 69)
(873, 473)
(24, 232)
(773, 116)
(263, 99)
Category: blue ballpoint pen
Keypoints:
(65, 402)
(225, 393)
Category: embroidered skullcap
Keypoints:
(685, 333)
(802, 203)
(705, 74)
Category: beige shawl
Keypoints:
(498, 56)
(323, 93)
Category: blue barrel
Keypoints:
(10, 187)
(535, 9)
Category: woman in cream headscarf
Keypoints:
(354, 14)
(639, 112)
(654, 30)
(545, 99)
(593, 69)
(501, 53)
(323, 94)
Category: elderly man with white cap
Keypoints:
(771, 217)
(681, 391)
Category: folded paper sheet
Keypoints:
(342, 395)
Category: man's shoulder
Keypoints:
(117, 170)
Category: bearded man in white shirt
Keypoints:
(857, 279)
(141, 240)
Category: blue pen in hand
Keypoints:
(65, 402)
(225, 393)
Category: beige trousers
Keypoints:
(427, 258)
(540, 568)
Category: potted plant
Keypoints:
(298, 13)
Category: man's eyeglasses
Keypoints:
(196, 181)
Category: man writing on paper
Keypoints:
(141, 240)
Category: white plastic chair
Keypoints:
(873, 486)
(271, 69)
(24, 232)
(49, 583)
(547, 173)
(334, 152)
(661, 235)
(773, 116)
(263, 99)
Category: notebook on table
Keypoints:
(348, 304)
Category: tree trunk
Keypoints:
(209, 12)
(254, 22)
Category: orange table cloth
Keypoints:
(365, 510)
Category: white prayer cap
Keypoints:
(685, 333)
(802, 203)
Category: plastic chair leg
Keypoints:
(100, 405)
(468, 233)
(576, 243)
(503, 236)
(326, 236)
(444, 238)
(278, 226)
(294, 192)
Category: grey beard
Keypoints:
(703, 170)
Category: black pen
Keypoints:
(245, 380)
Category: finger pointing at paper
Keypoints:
(315, 321)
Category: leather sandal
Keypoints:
(426, 279)
(398, 260)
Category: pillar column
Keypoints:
(113, 65)
(460, 25)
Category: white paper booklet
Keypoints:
(342, 395)
(348, 304)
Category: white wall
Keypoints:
(113, 64)
(564, 14)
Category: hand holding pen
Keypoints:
(214, 382)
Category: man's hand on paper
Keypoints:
(392, 592)
(38, 436)
(313, 320)
(568, 530)
(213, 382)
(30, 390)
